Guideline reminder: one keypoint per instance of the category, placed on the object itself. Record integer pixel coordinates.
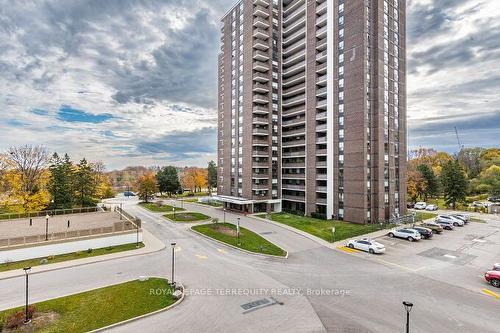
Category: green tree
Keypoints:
(432, 185)
(84, 184)
(489, 181)
(454, 183)
(470, 158)
(168, 180)
(212, 176)
(61, 182)
(146, 186)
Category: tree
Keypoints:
(30, 162)
(168, 180)
(146, 186)
(212, 176)
(488, 181)
(84, 184)
(454, 183)
(415, 184)
(61, 182)
(471, 160)
(430, 179)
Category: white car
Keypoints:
(406, 233)
(448, 218)
(431, 207)
(463, 217)
(420, 205)
(366, 244)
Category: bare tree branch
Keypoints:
(30, 161)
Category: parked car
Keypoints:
(495, 198)
(496, 267)
(456, 221)
(129, 194)
(463, 217)
(477, 204)
(410, 205)
(406, 233)
(493, 277)
(426, 233)
(366, 244)
(448, 225)
(431, 207)
(420, 205)
(435, 227)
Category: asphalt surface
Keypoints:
(316, 289)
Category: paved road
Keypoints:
(372, 304)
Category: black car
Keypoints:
(424, 232)
(494, 198)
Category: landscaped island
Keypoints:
(187, 217)
(68, 256)
(321, 228)
(93, 309)
(248, 240)
(160, 208)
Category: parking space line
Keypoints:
(400, 266)
(491, 293)
(221, 251)
(347, 249)
(202, 257)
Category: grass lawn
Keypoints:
(98, 308)
(69, 256)
(160, 209)
(424, 215)
(475, 219)
(209, 203)
(322, 228)
(187, 217)
(250, 241)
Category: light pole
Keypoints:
(47, 227)
(238, 230)
(173, 263)
(408, 307)
(26, 273)
(224, 210)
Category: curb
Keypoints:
(187, 222)
(81, 264)
(237, 248)
(121, 323)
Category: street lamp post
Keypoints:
(238, 230)
(224, 210)
(408, 307)
(173, 263)
(26, 273)
(47, 227)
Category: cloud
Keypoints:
(68, 114)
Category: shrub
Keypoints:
(17, 319)
(320, 216)
(89, 250)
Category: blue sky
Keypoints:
(134, 82)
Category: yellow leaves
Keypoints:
(194, 178)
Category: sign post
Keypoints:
(333, 234)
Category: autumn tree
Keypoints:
(194, 179)
(470, 158)
(146, 186)
(488, 181)
(431, 187)
(30, 162)
(415, 184)
(454, 183)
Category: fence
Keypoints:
(53, 212)
(116, 228)
(132, 219)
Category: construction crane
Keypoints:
(460, 146)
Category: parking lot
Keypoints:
(459, 257)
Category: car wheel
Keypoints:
(391, 234)
(495, 283)
(351, 246)
(371, 251)
(455, 224)
(410, 239)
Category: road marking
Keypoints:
(491, 293)
(479, 240)
(449, 256)
(347, 249)
(401, 266)
(202, 257)
(221, 251)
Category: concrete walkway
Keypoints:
(151, 244)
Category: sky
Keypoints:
(134, 82)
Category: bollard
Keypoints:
(31, 222)
(68, 223)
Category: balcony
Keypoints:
(293, 165)
(260, 23)
(293, 176)
(321, 201)
(260, 11)
(294, 37)
(260, 187)
(321, 152)
(259, 77)
(321, 139)
(293, 198)
(321, 104)
(295, 110)
(260, 176)
(321, 8)
(261, 34)
(321, 128)
(260, 153)
(260, 109)
(294, 90)
(260, 120)
(320, 33)
(321, 115)
(293, 143)
(293, 5)
(321, 80)
(262, 3)
(294, 187)
(260, 99)
(260, 88)
(321, 189)
(260, 55)
(260, 66)
(293, 121)
(294, 27)
(298, 131)
(321, 56)
(321, 68)
(294, 101)
(260, 131)
(294, 153)
(321, 176)
(321, 164)
(258, 142)
(260, 165)
(321, 20)
(260, 45)
(297, 68)
(321, 44)
(296, 79)
(322, 92)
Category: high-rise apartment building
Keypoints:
(312, 108)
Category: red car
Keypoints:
(493, 277)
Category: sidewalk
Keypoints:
(151, 244)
